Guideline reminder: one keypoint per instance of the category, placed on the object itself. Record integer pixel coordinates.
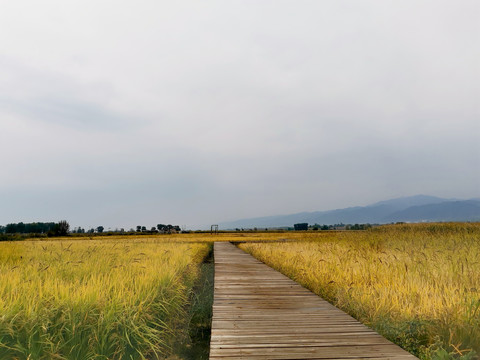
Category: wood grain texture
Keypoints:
(258, 313)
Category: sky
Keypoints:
(124, 113)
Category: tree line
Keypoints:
(62, 228)
(160, 228)
(48, 228)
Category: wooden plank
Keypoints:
(258, 313)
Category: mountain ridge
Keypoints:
(415, 208)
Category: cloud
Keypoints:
(43, 96)
(200, 112)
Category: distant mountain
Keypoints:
(409, 209)
(467, 210)
(406, 202)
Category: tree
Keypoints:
(100, 229)
(139, 228)
(21, 227)
(11, 228)
(63, 227)
(59, 229)
(31, 228)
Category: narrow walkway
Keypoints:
(259, 313)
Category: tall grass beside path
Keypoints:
(418, 285)
(94, 299)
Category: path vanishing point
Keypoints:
(258, 313)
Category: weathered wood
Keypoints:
(258, 313)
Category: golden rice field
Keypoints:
(418, 285)
(133, 297)
(106, 298)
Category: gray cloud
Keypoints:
(45, 96)
(197, 112)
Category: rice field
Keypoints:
(106, 298)
(135, 297)
(418, 285)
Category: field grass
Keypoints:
(202, 237)
(106, 298)
(142, 297)
(418, 285)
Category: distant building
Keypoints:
(300, 226)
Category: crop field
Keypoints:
(136, 297)
(106, 298)
(418, 285)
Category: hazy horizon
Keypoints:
(193, 113)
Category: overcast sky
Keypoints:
(124, 113)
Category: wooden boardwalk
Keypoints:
(259, 313)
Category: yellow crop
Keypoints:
(117, 298)
(416, 284)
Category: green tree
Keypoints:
(62, 228)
